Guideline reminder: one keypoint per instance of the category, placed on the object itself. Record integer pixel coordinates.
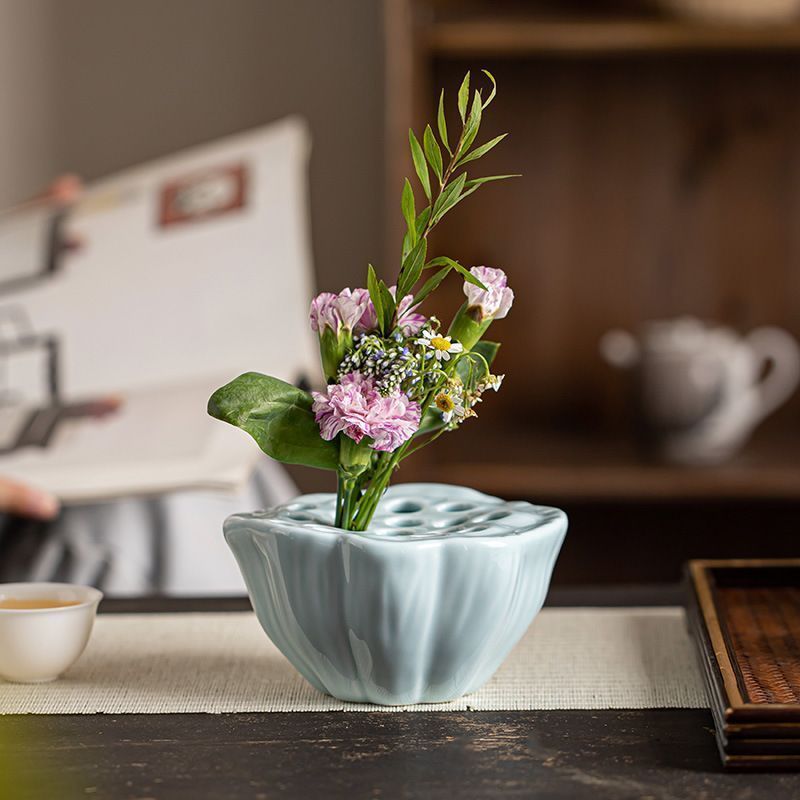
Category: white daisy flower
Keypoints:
(443, 346)
(446, 404)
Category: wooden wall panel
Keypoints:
(652, 187)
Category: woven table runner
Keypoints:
(181, 663)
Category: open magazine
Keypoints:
(193, 267)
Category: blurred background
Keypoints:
(654, 228)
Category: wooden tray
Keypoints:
(745, 617)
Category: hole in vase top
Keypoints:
(405, 507)
(403, 523)
(454, 507)
(476, 529)
(298, 517)
(499, 515)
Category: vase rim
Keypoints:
(415, 514)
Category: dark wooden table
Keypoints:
(544, 754)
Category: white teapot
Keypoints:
(701, 389)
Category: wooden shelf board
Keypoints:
(573, 468)
(514, 36)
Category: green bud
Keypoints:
(468, 326)
(332, 348)
(354, 457)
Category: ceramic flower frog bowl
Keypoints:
(416, 593)
(422, 607)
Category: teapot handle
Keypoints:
(781, 349)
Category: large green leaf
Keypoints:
(278, 416)
(488, 350)
(477, 361)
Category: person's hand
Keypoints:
(64, 190)
(19, 498)
(62, 193)
(27, 501)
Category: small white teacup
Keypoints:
(44, 627)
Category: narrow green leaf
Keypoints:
(494, 87)
(431, 285)
(463, 97)
(449, 197)
(473, 124)
(463, 271)
(478, 181)
(278, 416)
(472, 185)
(482, 150)
(422, 219)
(373, 286)
(420, 165)
(412, 268)
(470, 278)
(433, 152)
(406, 245)
(388, 306)
(409, 211)
(442, 124)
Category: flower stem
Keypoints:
(339, 499)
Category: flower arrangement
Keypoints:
(396, 379)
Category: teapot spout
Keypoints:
(620, 349)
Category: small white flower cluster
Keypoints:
(456, 401)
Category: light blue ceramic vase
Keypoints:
(422, 608)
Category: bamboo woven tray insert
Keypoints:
(746, 620)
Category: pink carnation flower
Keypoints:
(356, 408)
(496, 301)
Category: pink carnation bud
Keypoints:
(410, 322)
(352, 309)
(367, 320)
(496, 301)
(335, 311)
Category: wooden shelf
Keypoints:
(546, 466)
(511, 36)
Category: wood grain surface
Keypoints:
(607, 755)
